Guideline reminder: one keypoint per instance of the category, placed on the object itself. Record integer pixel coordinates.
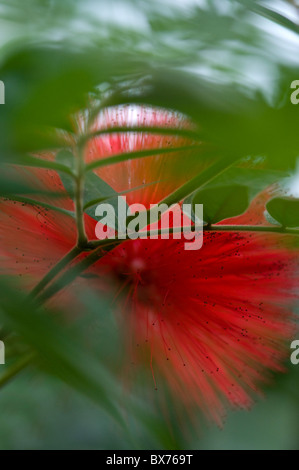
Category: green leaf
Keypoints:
(285, 210)
(59, 350)
(34, 202)
(226, 117)
(254, 178)
(27, 160)
(271, 15)
(12, 183)
(124, 156)
(102, 199)
(96, 190)
(65, 158)
(222, 202)
(46, 85)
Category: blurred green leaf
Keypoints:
(33, 202)
(59, 351)
(285, 210)
(36, 162)
(229, 119)
(255, 179)
(96, 190)
(12, 183)
(270, 14)
(222, 202)
(45, 86)
(59, 58)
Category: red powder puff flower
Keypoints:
(210, 323)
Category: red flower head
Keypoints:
(211, 322)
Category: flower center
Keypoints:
(135, 275)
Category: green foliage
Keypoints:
(96, 190)
(58, 349)
(58, 59)
(284, 210)
(222, 202)
(255, 179)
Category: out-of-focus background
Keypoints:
(210, 59)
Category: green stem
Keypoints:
(40, 163)
(69, 276)
(251, 228)
(271, 15)
(200, 180)
(113, 195)
(144, 234)
(185, 190)
(70, 256)
(33, 202)
(15, 369)
(206, 228)
(101, 247)
(138, 154)
(82, 241)
(144, 129)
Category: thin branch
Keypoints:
(200, 180)
(271, 15)
(206, 228)
(15, 369)
(69, 276)
(79, 198)
(144, 129)
(138, 154)
(34, 202)
(70, 256)
(121, 193)
(251, 228)
(101, 247)
(143, 235)
(40, 163)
